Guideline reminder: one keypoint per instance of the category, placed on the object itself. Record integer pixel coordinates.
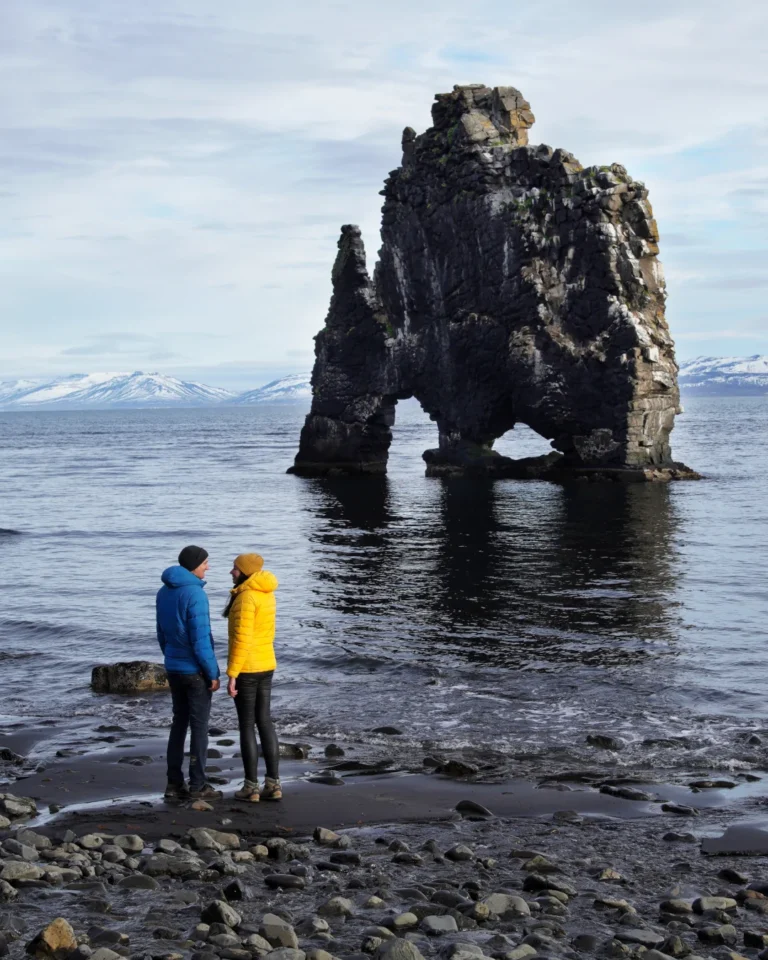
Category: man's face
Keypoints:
(200, 571)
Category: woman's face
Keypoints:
(235, 574)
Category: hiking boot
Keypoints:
(271, 790)
(176, 791)
(206, 792)
(248, 792)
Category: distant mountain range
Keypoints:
(286, 390)
(141, 390)
(703, 376)
(712, 376)
(109, 390)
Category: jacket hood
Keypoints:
(178, 576)
(263, 581)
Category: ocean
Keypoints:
(503, 621)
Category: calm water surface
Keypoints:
(505, 619)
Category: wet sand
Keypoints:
(105, 790)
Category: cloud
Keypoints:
(120, 345)
(172, 160)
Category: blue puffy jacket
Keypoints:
(184, 624)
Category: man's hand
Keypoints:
(232, 687)
(215, 684)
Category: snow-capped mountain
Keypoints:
(11, 390)
(291, 389)
(109, 390)
(718, 375)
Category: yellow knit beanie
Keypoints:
(249, 563)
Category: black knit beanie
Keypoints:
(191, 557)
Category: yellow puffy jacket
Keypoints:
(252, 625)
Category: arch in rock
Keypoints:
(512, 286)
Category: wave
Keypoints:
(24, 655)
(41, 628)
(4, 532)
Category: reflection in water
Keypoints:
(501, 614)
(511, 574)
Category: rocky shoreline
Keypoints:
(471, 884)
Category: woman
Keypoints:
(250, 668)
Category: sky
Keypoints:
(174, 173)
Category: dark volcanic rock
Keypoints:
(136, 676)
(514, 286)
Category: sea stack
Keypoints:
(513, 286)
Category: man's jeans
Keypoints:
(191, 710)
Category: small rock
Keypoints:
(673, 837)
(92, 841)
(337, 907)
(284, 881)
(406, 857)
(567, 816)
(325, 837)
(437, 926)
(458, 768)
(56, 940)
(104, 953)
(220, 912)
(471, 810)
(349, 858)
(7, 892)
(460, 852)
(388, 731)
(524, 952)
(681, 907)
(138, 881)
(405, 921)
(733, 876)
(236, 890)
(725, 934)
(287, 953)
(257, 944)
(704, 904)
(712, 785)
(201, 806)
(278, 931)
(645, 938)
(680, 809)
(397, 949)
(506, 905)
(15, 871)
(130, 842)
(17, 808)
(205, 838)
(33, 839)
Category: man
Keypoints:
(184, 635)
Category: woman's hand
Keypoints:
(232, 687)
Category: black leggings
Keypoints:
(254, 694)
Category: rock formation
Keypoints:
(134, 676)
(513, 286)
